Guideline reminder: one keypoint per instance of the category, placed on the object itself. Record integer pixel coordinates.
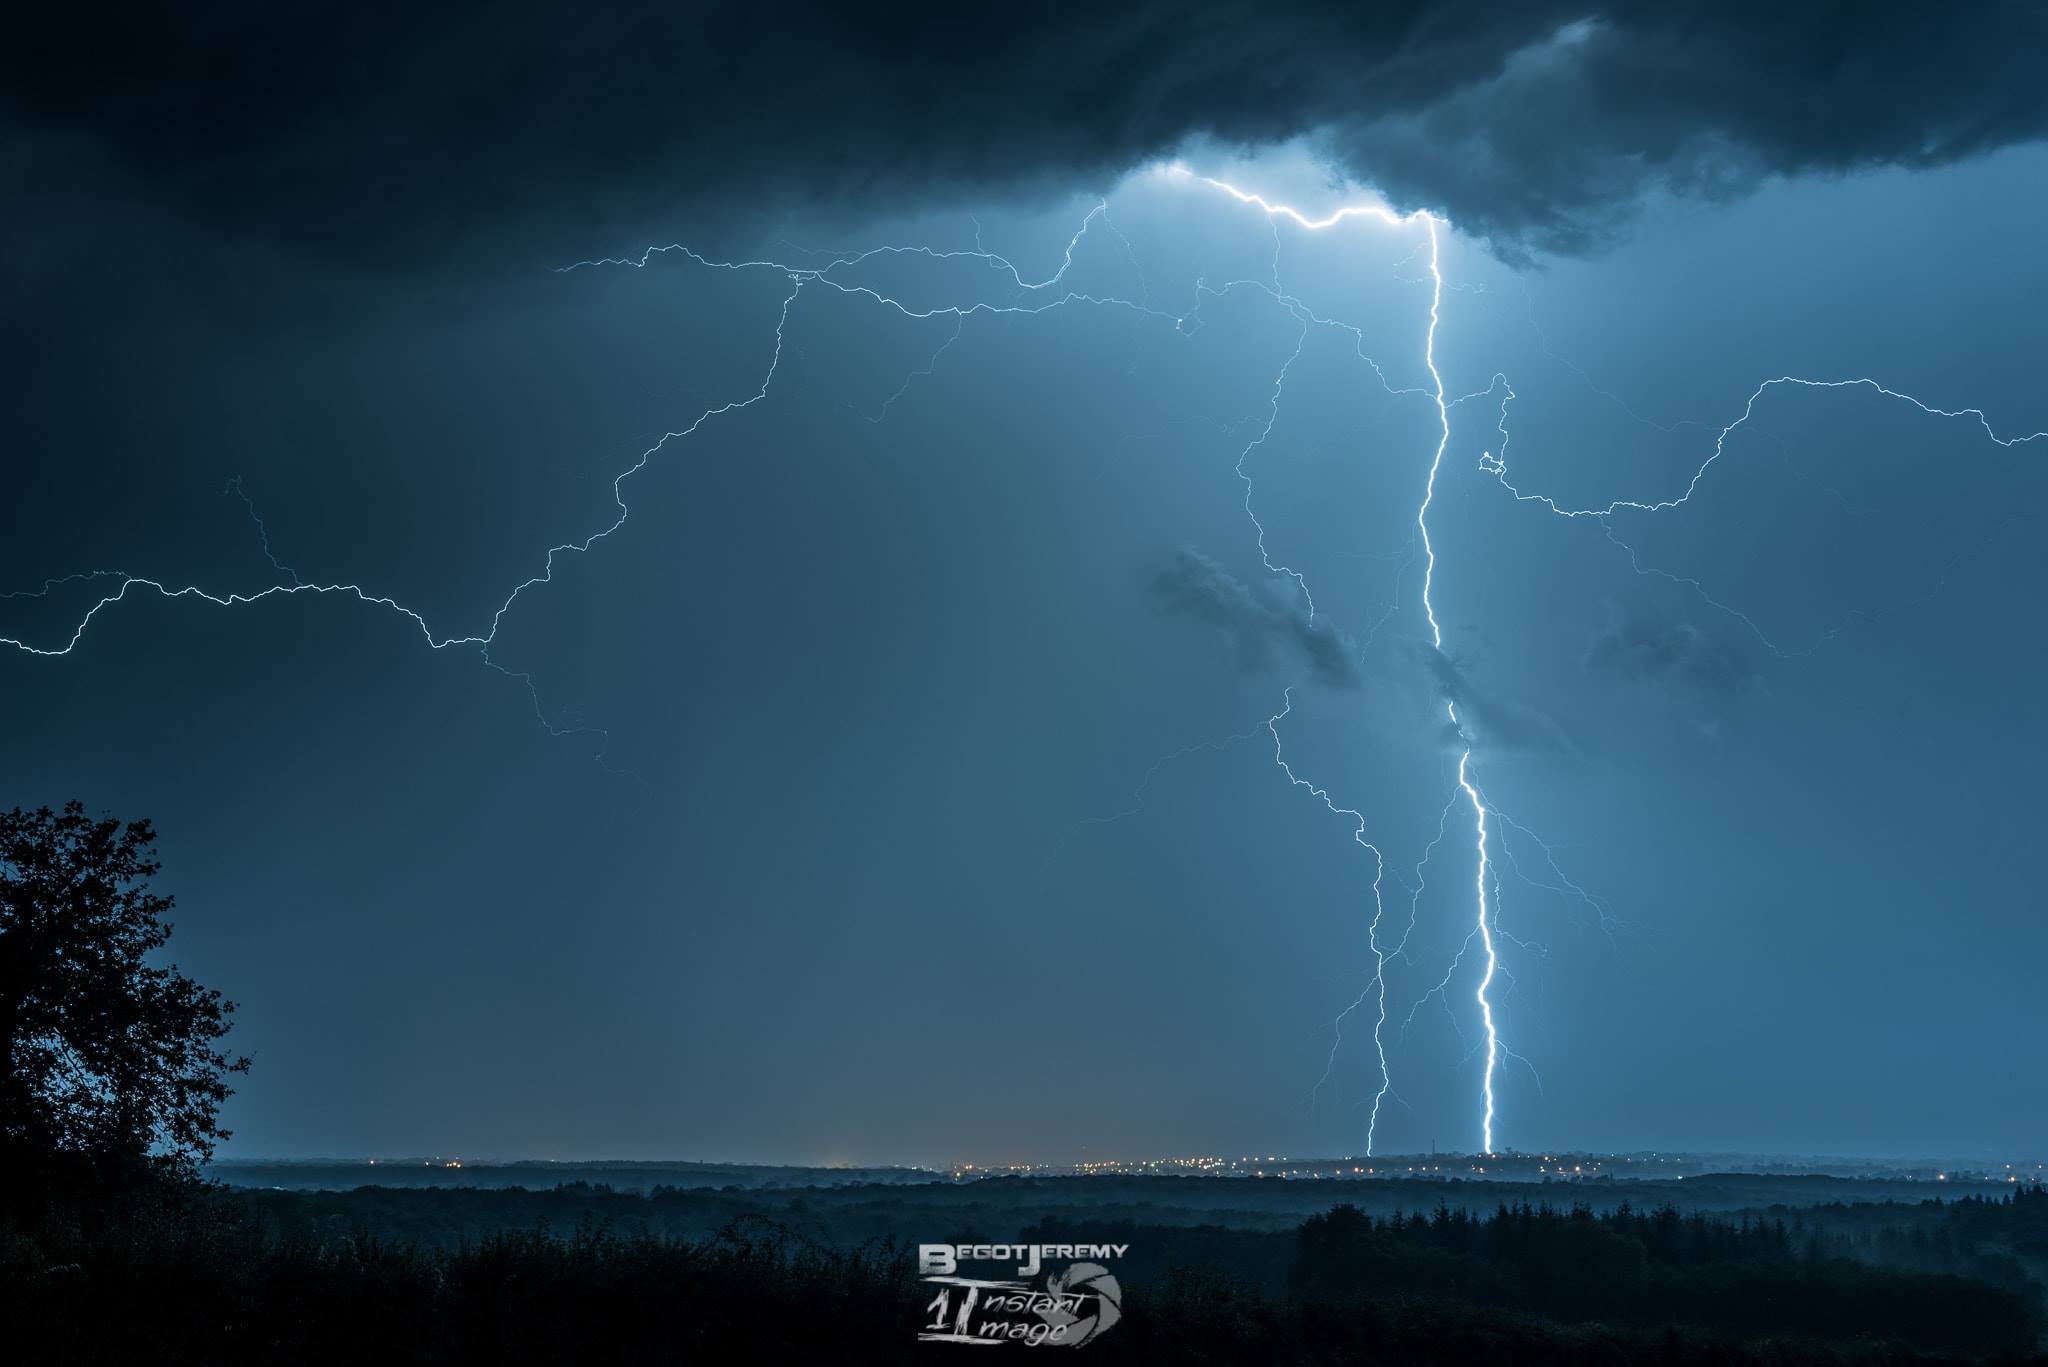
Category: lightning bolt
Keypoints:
(1484, 921)
(1485, 932)
(1024, 295)
(1030, 296)
(1439, 396)
(1436, 640)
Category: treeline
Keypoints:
(194, 1282)
(1833, 1271)
(178, 1273)
(2004, 1242)
(1743, 1276)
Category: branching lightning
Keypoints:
(1489, 827)
(1495, 462)
(1439, 396)
(1031, 296)
(1378, 982)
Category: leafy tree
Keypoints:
(106, 1059)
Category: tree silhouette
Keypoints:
(106, 1059)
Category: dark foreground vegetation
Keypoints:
(167, 1270)
(113, 1249)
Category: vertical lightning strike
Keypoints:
(1436, 641)
(1376, 986)
(234, 486)
(1486, 946)
(1027, 296)
(1030, 296)
(1440, 397)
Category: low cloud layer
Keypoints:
(1263, 624)
(1484, 720)
(398, 134)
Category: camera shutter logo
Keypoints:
(1094, 1279)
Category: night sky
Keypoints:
(898, 782)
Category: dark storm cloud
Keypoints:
(1493, 722)
(1553, 149)
(388, 133)
(1198, 587)
(1714, 678)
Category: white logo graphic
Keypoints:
(1071, 1306)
